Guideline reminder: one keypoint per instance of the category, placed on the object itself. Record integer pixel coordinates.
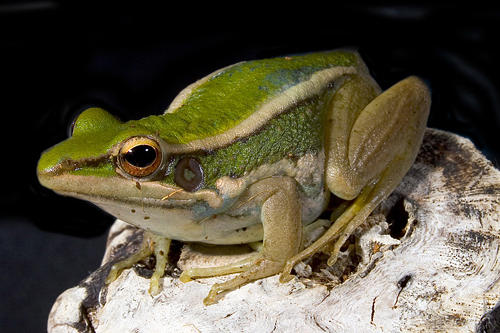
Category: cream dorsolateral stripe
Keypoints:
(267, 111)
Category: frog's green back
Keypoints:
(235, 93)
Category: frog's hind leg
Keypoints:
(374, 151)
(151, 243)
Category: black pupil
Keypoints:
(141, 156)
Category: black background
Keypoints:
(58, 59)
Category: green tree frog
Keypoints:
(249, 153)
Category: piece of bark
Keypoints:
(433, 266)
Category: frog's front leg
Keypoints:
(373, 142)
(151, 244)
(282, 220)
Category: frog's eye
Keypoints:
(188, 174)
(140, 157)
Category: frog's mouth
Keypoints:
(105, 190)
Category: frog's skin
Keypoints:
(249, 153)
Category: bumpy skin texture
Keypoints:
(249, 153)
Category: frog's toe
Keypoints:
(333, 259)
(212, 295)
(113, 274)
(186, 276)
(285, 277)
(154, 287)
(154, 282)
(204, 272)
(116, 270)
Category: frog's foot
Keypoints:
(253, 268)
(150, 244)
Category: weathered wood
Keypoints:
(440, 275)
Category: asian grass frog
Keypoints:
(248, 153)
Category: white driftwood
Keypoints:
(441, 276)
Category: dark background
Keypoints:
(57, 59)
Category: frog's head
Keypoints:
(127, 169)
(103, 146)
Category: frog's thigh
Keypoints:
(346, 105)
(384, 142)
(378, 159)
(359, 149)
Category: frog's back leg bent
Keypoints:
(281, 217)
(372, 141)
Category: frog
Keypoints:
(249, 154)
